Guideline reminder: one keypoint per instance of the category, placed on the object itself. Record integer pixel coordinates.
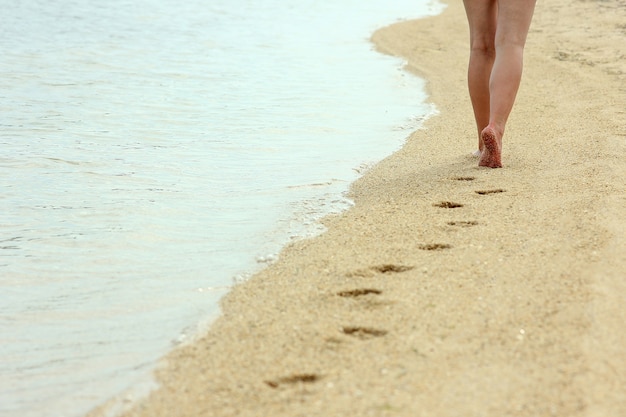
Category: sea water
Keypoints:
(153, 152)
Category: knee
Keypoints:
(510, 41)
(483, 47)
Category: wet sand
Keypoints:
(449, 289)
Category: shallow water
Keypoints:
(153, 152)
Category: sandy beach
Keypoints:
(449, 289)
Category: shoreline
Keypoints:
(509, 304)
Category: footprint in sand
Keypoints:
(494, 191)
(435, 246)
(391, 268)
(367, 298)
(359, 292)
(448, 204)
(293, 379)
(363, 333)
(462, 223)
(463, 178)
(386, 269)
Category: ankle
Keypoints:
(497, 129)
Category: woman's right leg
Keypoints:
(514, 17)
(482, 19)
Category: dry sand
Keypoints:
(511, 304)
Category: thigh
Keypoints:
(514, 17)
(482, 16)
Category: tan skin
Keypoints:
(498, 30)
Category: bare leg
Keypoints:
(482, 17)
(512, 23)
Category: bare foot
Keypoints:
(492, 149)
